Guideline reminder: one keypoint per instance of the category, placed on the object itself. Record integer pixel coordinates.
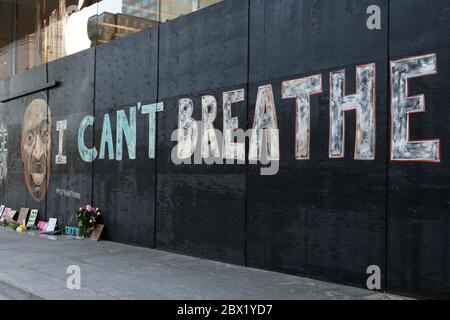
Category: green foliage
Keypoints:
(13, 224)
(87, 219)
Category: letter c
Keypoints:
(87, 154)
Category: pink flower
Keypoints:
(88, 208)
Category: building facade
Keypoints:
(36, 32)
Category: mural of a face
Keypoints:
(36, 148)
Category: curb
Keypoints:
(15, 293)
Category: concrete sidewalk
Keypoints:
(34, 267)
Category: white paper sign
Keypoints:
(51, 225)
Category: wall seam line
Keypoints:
(388, 133)
(94, 115)
(156, 133)
(247, 125)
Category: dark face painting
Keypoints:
(36, 148)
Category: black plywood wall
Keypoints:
(323, 218)
(200, 208)
(418, 249)
(70, 184)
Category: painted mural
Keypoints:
(301, 90)
(36, 148)
(363, 102)
(402, 148)
(170, 130)
(263, 137)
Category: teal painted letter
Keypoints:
(87, 154)
(129, 130)
(151, 110)
(106, 139)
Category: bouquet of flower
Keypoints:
(13, 224)
(87, 219)
(21, 228)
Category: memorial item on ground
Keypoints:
(21, 228)
(97, 233)
(23, 215)
(12, 224)
(51, 225)
(32, 219)
(42, 225)
(5, 214)
(72, 231)
(87, 219)
(11, 214)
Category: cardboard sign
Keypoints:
(23, 215)
(32, 218)
(5, 214)
(97, 233)
(11, 214)
(51, 225)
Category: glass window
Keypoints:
(6, 38)
(33, 32)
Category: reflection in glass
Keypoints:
(6, 38)
(37, 32)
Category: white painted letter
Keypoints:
(301, 90)
(61, 126)
(403, 149)
(187, 129)
(363, 102)
(265, 122)
(232, 150)
(210, 147)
